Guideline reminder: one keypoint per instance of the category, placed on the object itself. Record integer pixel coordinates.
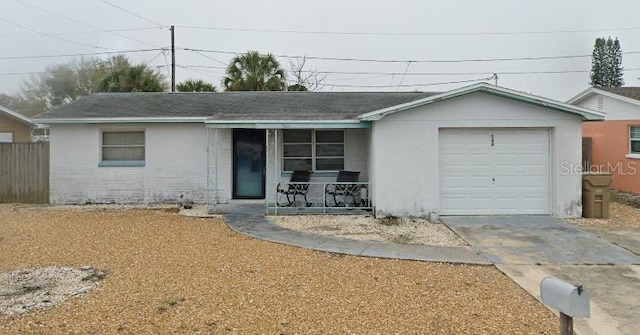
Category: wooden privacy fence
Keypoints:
(24, 172)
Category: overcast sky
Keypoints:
(413, 33)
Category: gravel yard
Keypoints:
(622, 217)
(172, 274)
(360, 227)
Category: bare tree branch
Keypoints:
(305, 80)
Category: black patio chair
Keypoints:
(349, 189)
(297, 185)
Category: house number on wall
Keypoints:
(492, 140)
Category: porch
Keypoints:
(253, 162)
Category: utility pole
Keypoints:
(173, 59)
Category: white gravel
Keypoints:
(368, 228)
(27, 289)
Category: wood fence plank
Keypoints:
(24, 172)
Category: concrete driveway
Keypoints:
(530, 248)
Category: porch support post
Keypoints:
(266, 195)
(212, 176)
(275, 167)
(215, 177)
(206, 194)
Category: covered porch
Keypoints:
(256, 162)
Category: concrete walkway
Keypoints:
(531, 239)
(530, 248)
(525, 248)
(249, 219)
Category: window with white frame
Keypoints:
(123, 146)
(634, 139)
(6, 136)
(313, 150)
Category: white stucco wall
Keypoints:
(405, 151)
(175, 165)
(220, 163)
(614, 109)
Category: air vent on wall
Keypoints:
(600, 104)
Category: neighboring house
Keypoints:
(615, 142)
(477, 150)
(14, 127)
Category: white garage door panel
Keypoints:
(494, 171)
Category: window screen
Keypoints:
(123, 146)
(313, 150)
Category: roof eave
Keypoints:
(288, 124)
(16, 116)
(582, 95)
(198, 119)
(593, 90)
(586, 114)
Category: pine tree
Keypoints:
(616, 65)
(598, 63)
(606, 63)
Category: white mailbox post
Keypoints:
(570, 300)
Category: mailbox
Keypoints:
(567, 298)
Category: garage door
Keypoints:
(494, 171)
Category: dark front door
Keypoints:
(248, 163)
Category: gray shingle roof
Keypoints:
(629, 92)
(233, 105)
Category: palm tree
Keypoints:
(121, 76)
(193, 85)
(253, 71)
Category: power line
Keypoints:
(132, 13)
(327, 32)
(210, 75)
(2, 74)
(462, 73)
(98, 31)
(360, 78)
(373, 86)
(166, 62)
(412, 85)
(80, 22)
(51, 36)
(209, 71)
(154, 57)
(80, 54)
(382, 74)
(206, 56)
(530, 58)
(202, 66)
(372, 74)
(403, 76)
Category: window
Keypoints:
(634, 139)
(313, 150)
(6, 137)
(122, 148)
